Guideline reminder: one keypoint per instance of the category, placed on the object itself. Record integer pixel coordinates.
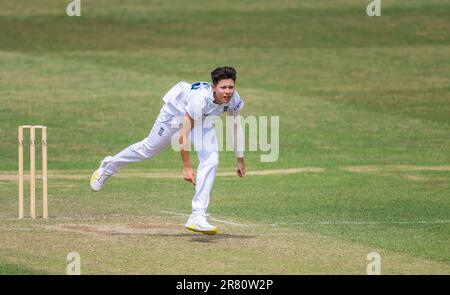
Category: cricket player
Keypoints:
(186, 107)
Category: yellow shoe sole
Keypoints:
(210, 232)
(93, 178)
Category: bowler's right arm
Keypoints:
(188, 124)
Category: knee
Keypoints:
(144, 149)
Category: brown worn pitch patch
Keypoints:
(153, 226)
(115, 229)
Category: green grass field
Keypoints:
(363, 102)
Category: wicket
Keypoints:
(33, 170)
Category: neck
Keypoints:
(215, 98)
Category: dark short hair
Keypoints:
(223, 73)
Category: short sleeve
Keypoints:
(195, 105)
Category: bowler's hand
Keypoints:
(240, 167)
(189, 175)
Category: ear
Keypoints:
(214, 88)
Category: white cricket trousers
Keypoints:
(205, 144)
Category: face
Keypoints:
(223, 91)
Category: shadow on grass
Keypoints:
(143, 230)
(213, 239)
(200, 238)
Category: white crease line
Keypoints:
(219, 220)
(366, 222)
(264, 225)
(239, 224)
(318, 222)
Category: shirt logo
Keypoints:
(225, 108)
(197, 85)
(161, 131)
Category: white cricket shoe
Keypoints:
(198, 223)
(99, 178)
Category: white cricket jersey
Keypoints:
(197, 100)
